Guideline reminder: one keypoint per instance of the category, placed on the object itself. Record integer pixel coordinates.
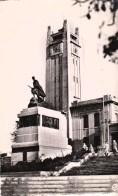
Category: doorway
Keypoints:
(114, 137)
(96, 141)
(86, 141)
(24, 155)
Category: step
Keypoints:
(58, 190)
(36, 182)
(69, 184)
(64, 178)
(57, 186)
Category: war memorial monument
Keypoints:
(45, 126)
(57, 123)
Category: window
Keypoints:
(55, 61)
(77, 80)
(85, 117)
(59, 60)
(76, 62)
(73, 78)
(96, 120)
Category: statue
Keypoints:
(37, 90)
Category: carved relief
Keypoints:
(27, 121)
(50, 122)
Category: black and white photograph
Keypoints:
(59, 97)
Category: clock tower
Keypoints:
(63, 83)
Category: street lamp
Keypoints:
(103, 124)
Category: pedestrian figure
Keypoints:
(115, 147)
(106, 149)
(91, 149)
(85, 147)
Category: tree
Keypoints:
(111, 48)
(14, 133)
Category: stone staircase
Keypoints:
(77, 179)
(34, 185)
(96, 166)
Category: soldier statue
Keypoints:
(37, 90)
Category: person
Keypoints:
(37, 89)
(106, 148)
(115, 147)
(85, 147)
(91, 149)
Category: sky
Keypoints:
(23, 31)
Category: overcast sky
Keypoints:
(23, 30)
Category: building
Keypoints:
(63, 84)
(41, 133)
(95, 121)
(5, 160)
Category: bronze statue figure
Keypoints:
(37, 90)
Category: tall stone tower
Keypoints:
(63, 84)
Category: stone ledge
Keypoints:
(25, 144)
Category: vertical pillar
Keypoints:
(40, 120)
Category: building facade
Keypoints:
(63, 83)
(95, 121)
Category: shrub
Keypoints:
(48, 164)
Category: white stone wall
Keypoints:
(31, 156)
(16, 157)
(27, 134)
(52, 152)
(51, 137)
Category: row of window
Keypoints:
(60, 61)
(96, 120)
(75, 62)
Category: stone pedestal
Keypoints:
(42, 133)
(101, 151)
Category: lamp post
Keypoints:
(108, 131)
(103, 124)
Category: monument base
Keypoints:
(42, 133)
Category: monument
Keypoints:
(45, 127)
(41, 132)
